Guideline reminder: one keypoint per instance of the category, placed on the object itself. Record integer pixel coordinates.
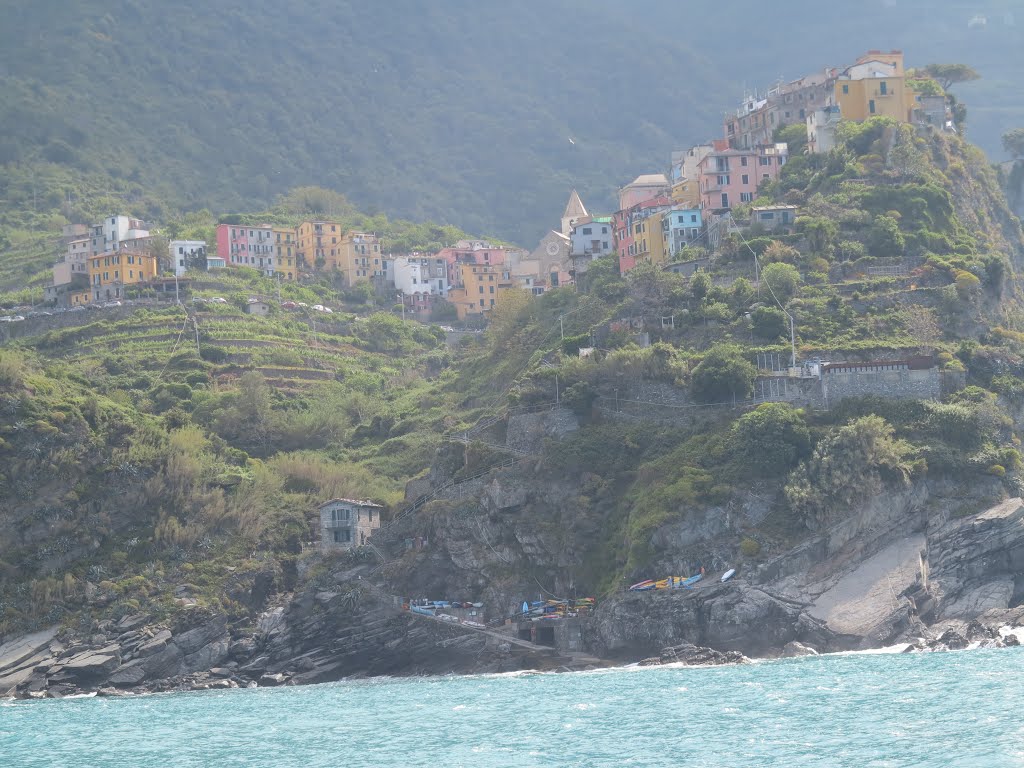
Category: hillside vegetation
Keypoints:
(158, 447)
(458, 112)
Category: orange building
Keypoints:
(481, 286)
(317, 243)
(110, 272)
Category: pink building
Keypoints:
(642, 189)
(729, 177)
(247, 246)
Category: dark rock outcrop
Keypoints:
(728, 617)
(976, 564)
(694, 656)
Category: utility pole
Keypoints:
(278, 287)
(177, 300)
(792, 339)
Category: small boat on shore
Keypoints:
(728, 575)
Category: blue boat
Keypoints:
(688, 583)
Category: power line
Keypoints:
(792, 322)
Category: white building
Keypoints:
(821, 129)
(184, 252)
(421, 275)
(107, 235)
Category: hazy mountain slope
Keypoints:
(456, 111)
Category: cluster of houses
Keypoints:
(660, 216)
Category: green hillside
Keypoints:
(148, 448)
(458, 112)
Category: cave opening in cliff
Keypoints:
(546, 636)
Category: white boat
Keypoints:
(728, 575)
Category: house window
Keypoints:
(723, 180)
(746, 179)
(746, 197)
(342, 536)
(725, 200)
(871, 106)
(693, 217)
(846, 89)
(882, 86)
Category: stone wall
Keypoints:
(909, 384)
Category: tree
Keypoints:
(771, 439)
(950, 74)
(160, 248)
(795, 136)
(905, 159)
(724, 374)
(769, 322)
(852, 463)
(783, 279)
(821, 233)
(1013, 142)
(885, 238)
(700, 284)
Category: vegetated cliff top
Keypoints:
(137, 457)
(460, 113)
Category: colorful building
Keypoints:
(318, 243)
(875, 85)
(247, 246)
(286, 253)
(730, 177)
(471, 252)
(110, 272)
(421, 279)
(682, 227)
(479, 289)
(758, 117)
(637, 236)
(643, 188)
(359, 258)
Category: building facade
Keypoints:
(110, 273)
(682, 227)
(247, 246)
(875, 85)
(347, 523)
(285, 253)
(643, 188)
(479, 288)
(187, 254)
(730, 177)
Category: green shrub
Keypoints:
(771, 439)
(750, 547)
(724, 374)
(769, 322)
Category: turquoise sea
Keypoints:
(941, 709)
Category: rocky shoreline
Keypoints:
(133, 657)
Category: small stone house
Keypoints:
(258, 307)
(774, 217)
(347, 523)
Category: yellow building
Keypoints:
(110, 272)
(286, 249)
(318, 243)
(651, 247)
(686, 192)
(875, 85)
(79, 298)
(359, 257)
(481, 286)
(325, 245)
